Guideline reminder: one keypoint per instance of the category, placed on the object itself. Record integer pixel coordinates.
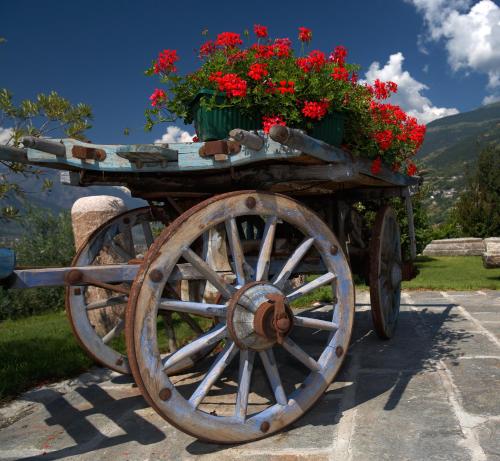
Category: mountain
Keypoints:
(451, 144)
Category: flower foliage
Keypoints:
(268, 78)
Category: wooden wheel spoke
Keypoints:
(317, 324)
(280, 279)
(118, 250)
(115, 300)
(199, 264)
(236, 250)
(266, 247)
(244, 380)
(311, 286)
(273, 375)
(191, 307)
(300, 355)
(221, 362)
(114, 332)
(208, 339)
(148, 233)
(128, 240)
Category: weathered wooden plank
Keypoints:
(13, 154)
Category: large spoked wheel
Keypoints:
(385, 272)
(258, 336)
(124, 238)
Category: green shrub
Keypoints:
(47, 240)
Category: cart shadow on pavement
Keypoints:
(426, 334)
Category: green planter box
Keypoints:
(216, 123)
(330, 129)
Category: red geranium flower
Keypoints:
(165, 61)
(305, 34)
(411, 169)
(207, 49)
(338, 56)
(228, 39)
(258, 71)
(315, 61)
(376, 166)
(158, 97)
(282, 47)
(286, 87)
(232, 84)
(383, 90)
(384, 139)
(260, 31)
(196, 139)
(270, 121)
(315, 109)
(340, 73)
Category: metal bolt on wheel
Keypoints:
(258, 334)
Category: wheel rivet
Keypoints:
(334, 249)
(77, 291)
(264, 427)
(250, 202)
(74, 276)
(119, 362)
(165, 394)
(339, 351)
(283, 324)
(156, 275)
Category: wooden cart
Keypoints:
(238, 232)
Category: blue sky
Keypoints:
(444, 54)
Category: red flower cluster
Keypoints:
(286, 87)
(158, 97)
(384, 139)
(411, 169)
(340, 73)
(165, 61)
(376, 166)
(338, 56)
(228, 39)
(234, 86)
(382, 90)
(260, 31)
(305, 34)
(315, 61)
(282, 47)
(269, 121)
(207, 48)
(258, 71)
(315, 109)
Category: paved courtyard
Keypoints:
(431, 393)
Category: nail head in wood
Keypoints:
(165, 394)
(77, 291)
(156, 276)
(74, 276)
(264, 427)
(334, 249)
(339, 351)
(119, 362)
(250, 202)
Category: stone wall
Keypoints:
(491, 258)
(455, 247)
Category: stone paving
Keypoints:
(431, 393)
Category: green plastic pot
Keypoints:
(216, 123)
(330, 129)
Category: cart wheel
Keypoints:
(385, 272)
(127, 236)
(222, 402)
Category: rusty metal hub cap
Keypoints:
(258, 316)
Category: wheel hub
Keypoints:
(258, 316)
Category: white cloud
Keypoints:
(409, 95)
(471, 34)
(491, 99)
(5, 135)
(175, 134)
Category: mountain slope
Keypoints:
(451, 144)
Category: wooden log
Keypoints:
(13, 154)
(247, 139)
(297, 139)
(50, 147)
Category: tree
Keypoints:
(477, 209)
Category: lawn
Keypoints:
(42, 349)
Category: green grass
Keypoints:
(454, 273)
(37, 350)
